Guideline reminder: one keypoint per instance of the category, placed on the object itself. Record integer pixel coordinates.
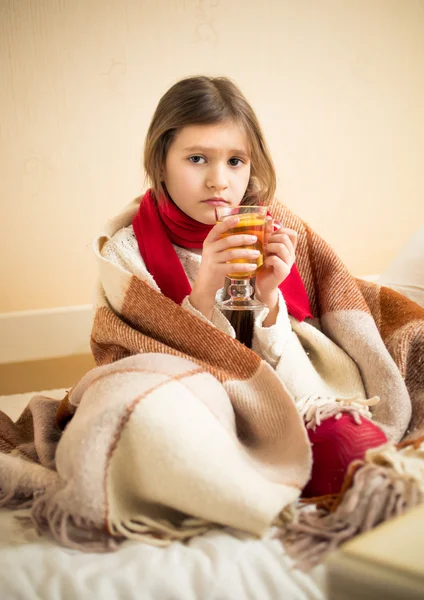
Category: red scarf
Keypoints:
(159, 225)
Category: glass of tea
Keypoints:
(252, 220)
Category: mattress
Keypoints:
(220, 565)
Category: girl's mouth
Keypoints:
(215, 202)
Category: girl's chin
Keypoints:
(206, 217)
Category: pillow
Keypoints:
(406, 273)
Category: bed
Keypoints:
(223, 564)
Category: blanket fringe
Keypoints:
(68, 529)
(160, 532)
(79, 533)
(387, 486)
(315, 409)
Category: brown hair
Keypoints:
(202, 101)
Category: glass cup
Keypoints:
(252, 220)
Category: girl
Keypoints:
(205, 148)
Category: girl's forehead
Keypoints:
(227, 135)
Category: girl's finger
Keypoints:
(231, 241)
(291, 233)
(279, 238)
(238, 253)
(274, 247)
(279, 250)
(284, 256)
(221, 227)
(237, 267)
(281, 269)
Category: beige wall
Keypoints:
(337, 84)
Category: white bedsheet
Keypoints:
(221, 565)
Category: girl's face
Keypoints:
(207, 166)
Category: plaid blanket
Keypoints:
(181, 428)
(381, 330)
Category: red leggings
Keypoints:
(335, 444)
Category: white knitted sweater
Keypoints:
(330, 383)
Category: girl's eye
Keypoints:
(196, 160)
(235, 162)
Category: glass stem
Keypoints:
(240, 289)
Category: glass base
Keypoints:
(232, 304)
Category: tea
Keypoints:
(249, 224)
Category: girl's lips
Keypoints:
(215, 202)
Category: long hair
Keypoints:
(205, 100)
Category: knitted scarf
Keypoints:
(158, 225)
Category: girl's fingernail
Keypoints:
(253, 238)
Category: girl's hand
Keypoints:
(279, 257)
(214, 266)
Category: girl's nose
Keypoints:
(217, 177)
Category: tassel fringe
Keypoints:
(315, 409)
(68, 529)
(73, 531)
(160, 532)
